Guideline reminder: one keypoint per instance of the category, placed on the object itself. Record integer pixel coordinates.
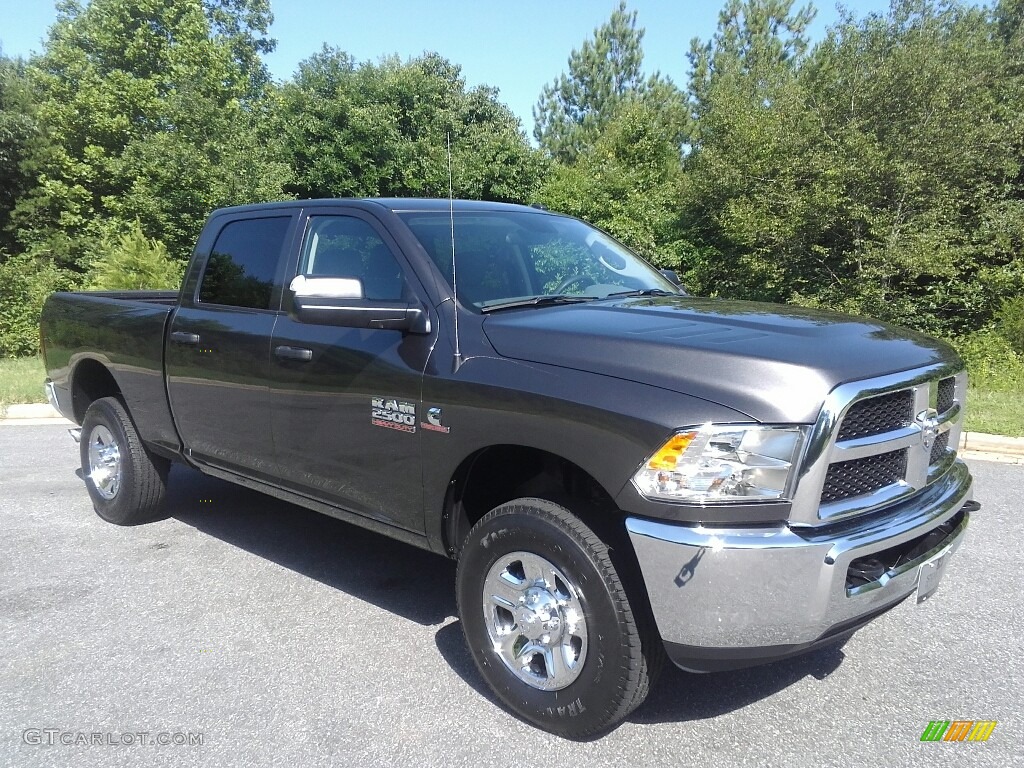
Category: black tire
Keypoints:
(615, 675)
(137, 495)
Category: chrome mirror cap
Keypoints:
(305, 287)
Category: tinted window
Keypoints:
(243, 263)
(344, 246)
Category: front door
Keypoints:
(345, 402)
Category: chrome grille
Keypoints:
(946, 393)
(859, 476)
(877, 441)
(939, 449)
(877, 415)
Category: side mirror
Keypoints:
(671, 275)
(673, 278)
(340, 301)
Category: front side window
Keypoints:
(243, 263)
(346, 246)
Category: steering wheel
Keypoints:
(577, 278)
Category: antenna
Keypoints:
(455, 282)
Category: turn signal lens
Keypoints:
(669, 454)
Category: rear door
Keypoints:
(345, 402)
(218, 348)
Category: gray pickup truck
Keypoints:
(623, 472)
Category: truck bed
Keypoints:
(122, 331)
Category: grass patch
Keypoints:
(21, 381)
(995, 375)
(997, 412)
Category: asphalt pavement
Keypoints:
(277, 636)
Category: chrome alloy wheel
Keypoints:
(104, 462)
(535, 621)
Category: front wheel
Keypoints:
(548, 620)
(125, 481)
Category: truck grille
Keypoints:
(939, 449)
(855, 478)
(946, 394)
(877, 415)
(878, 441)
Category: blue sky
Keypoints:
(515, 46)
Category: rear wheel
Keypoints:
(125, 481)
(548, 620)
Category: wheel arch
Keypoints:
(90, 381)
(496, 474)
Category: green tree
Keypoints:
(604, 73)
(245, 25)
(351, 129)
(25, 282)
(757, 48)
(874, 174)
(152, 111)
(628, 183)
(20, 134)
(930, 101)
(135, 262)
(1009, 16)
(754, 197)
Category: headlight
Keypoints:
(722, 463)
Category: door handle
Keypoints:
(183, 337)
(294, 353)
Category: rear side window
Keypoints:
(243, 263)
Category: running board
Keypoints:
(76, 434)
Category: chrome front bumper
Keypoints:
(734, 596)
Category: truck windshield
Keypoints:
(516, 258)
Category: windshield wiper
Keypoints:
(538, 301)
(644, 292)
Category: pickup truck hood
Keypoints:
(774, 363)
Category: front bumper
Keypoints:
(730, 597)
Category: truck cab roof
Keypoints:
(395, 204)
